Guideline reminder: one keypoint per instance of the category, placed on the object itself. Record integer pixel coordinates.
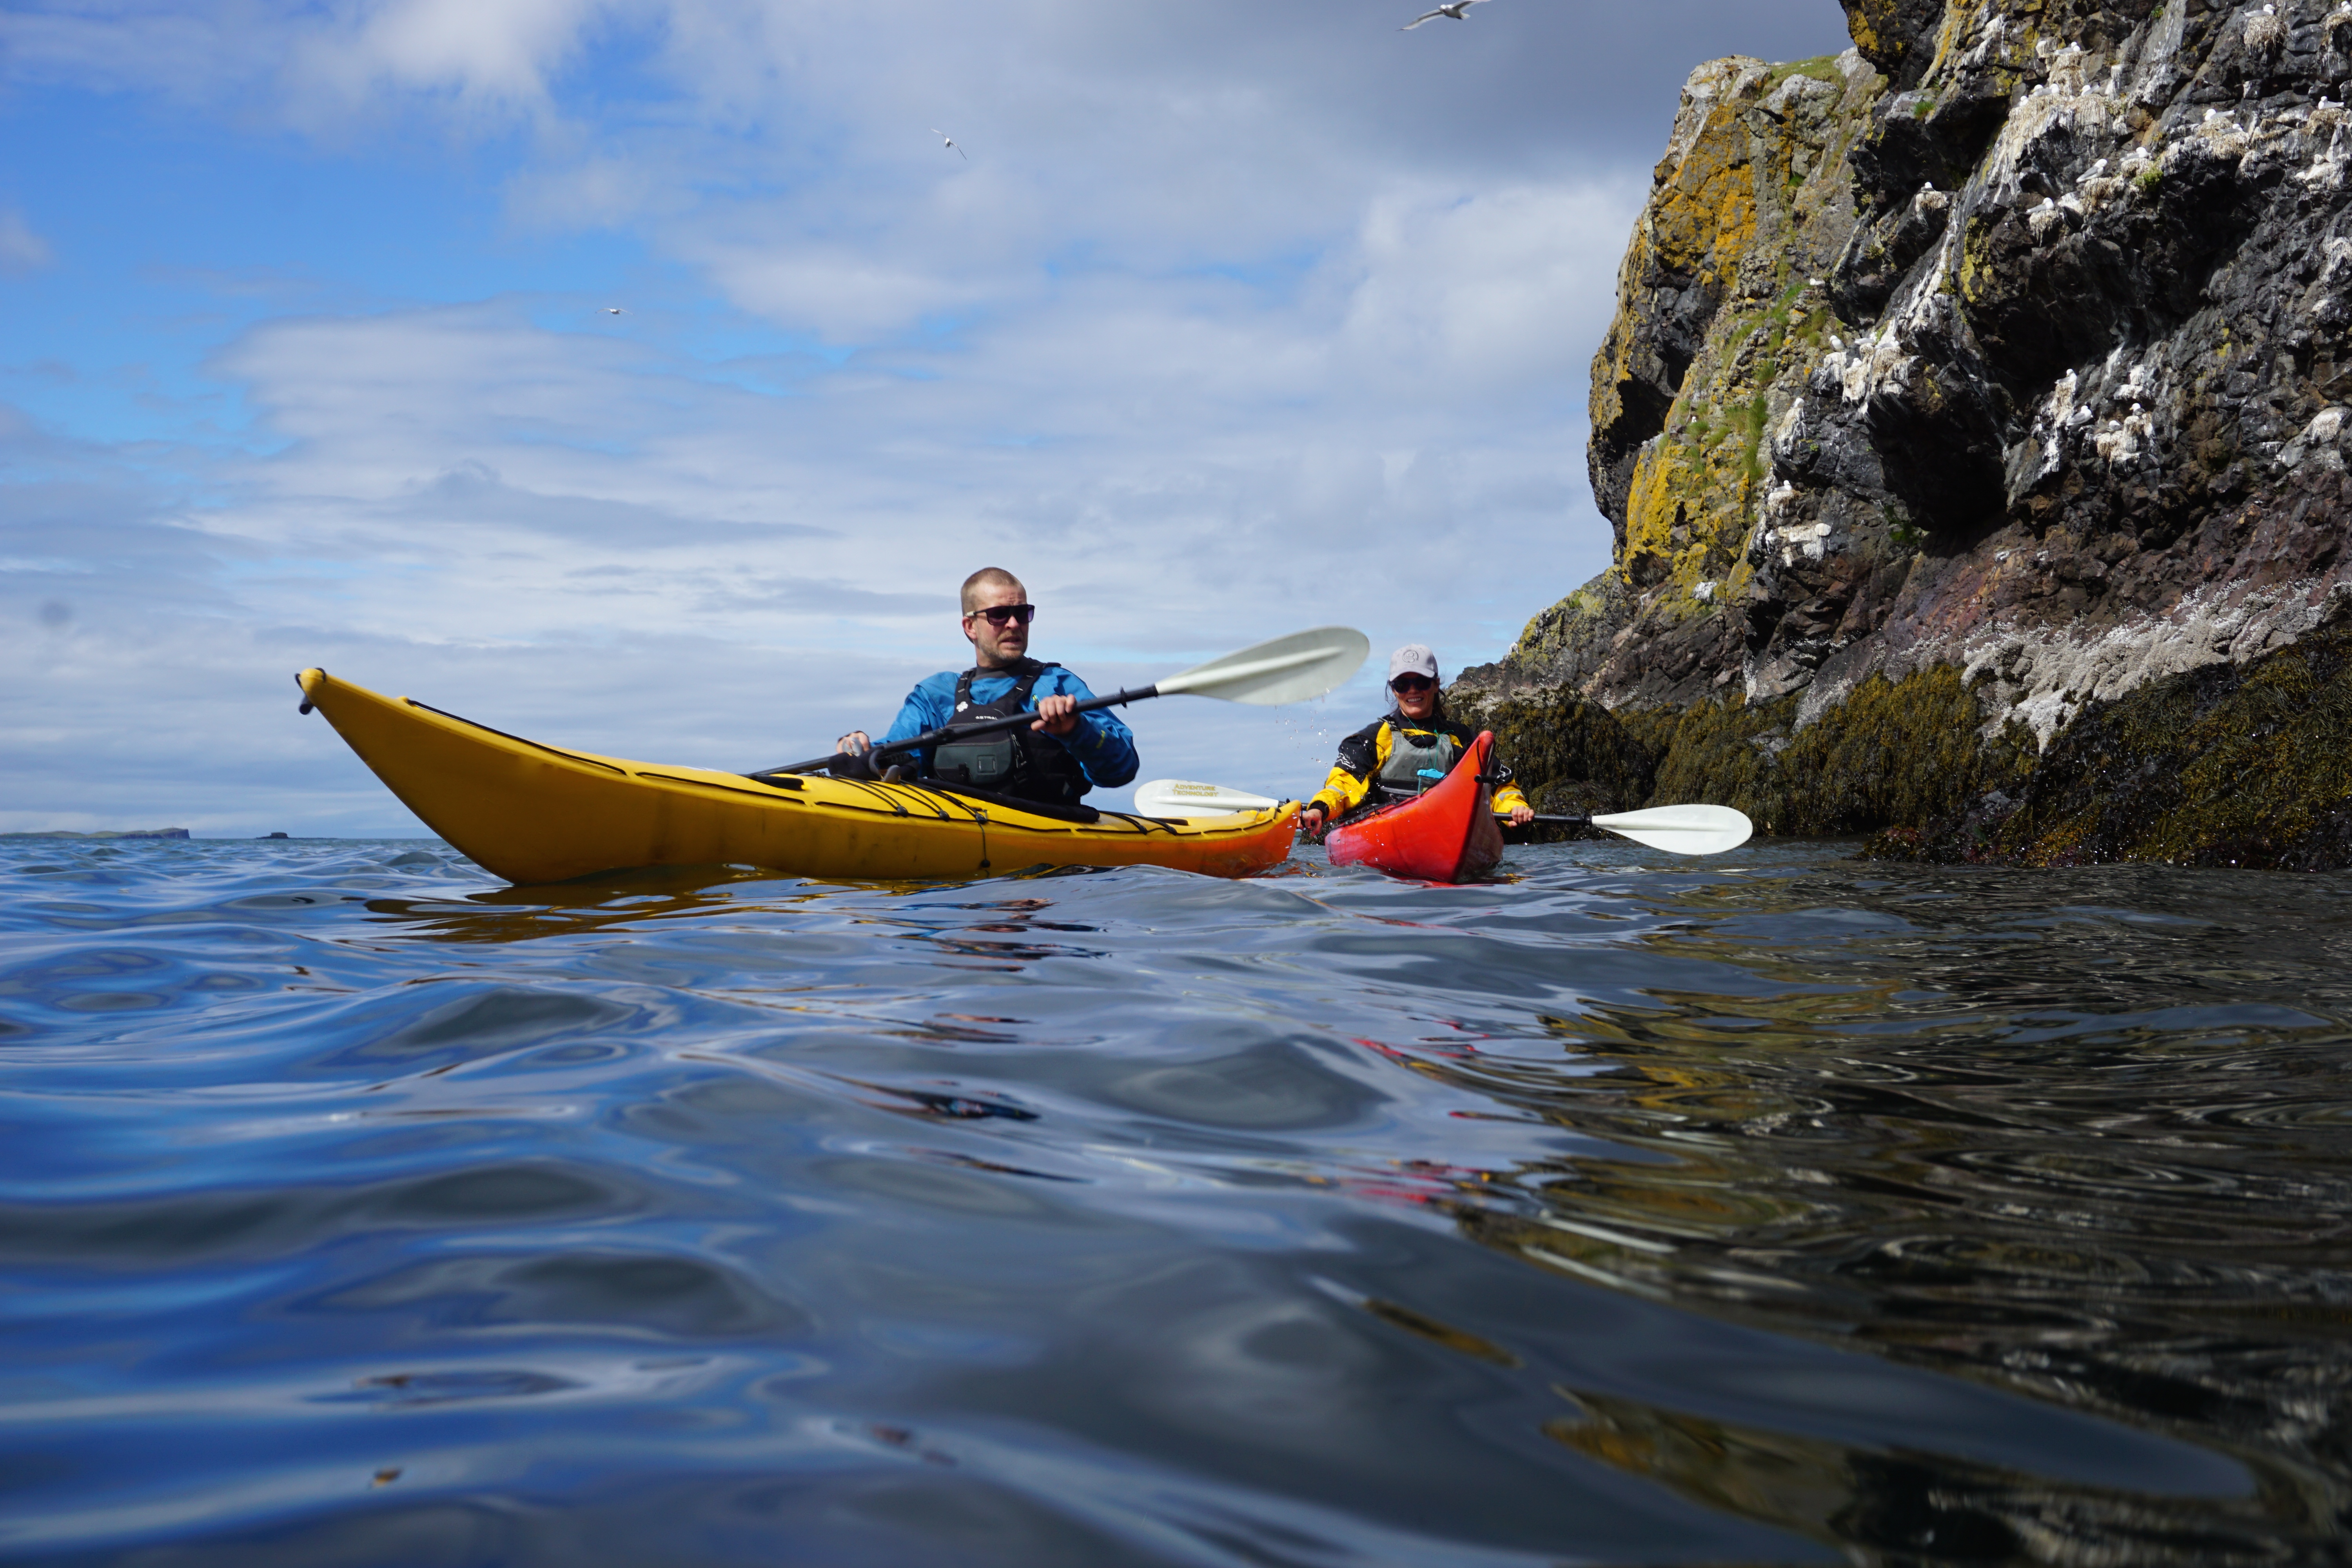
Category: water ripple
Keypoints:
(1625, 1210)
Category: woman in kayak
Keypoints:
(1403, 753)
(1054, 761)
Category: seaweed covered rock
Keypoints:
(1571, 755)
(2226, 765)
(1894, 752)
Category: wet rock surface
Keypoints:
(2233, 764)
(2016, 342)
(1571, 756)
(1896, 752)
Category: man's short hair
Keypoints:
(988, 577)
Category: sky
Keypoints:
(644, 375)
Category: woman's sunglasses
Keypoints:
(1411, 683)
(1005, 614)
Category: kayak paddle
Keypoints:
(1182, 797)
(1684, 829)
(1286, 669)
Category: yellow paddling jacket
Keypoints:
(1371, 758)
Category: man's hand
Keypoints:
(1522, 815)
(857, 743)
(1311, 819)
(1056, 715)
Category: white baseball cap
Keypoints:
(1413, 658)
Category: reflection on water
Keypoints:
(2094, 1153)
(1774, 1209)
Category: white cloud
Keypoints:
(21, 249)
(501, 50)
(180, 53)
(1155, 430)
(1495, 291)
(841, 294)
(314, 65)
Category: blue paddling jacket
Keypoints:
(1102, 747)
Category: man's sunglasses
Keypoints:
(1005, 614)
(1411, 683)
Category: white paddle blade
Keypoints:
(1182, 797)
(1684, 829)
(1287, 669)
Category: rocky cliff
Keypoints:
(1961, 385)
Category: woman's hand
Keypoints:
(1522, 815)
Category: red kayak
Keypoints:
(1446, 834)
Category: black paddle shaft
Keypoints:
(958, 732)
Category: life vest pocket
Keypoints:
(984, 763)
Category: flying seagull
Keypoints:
(960, 153)
(614, 310)
(1453, 8)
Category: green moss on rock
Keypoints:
(1721, 751)
(2228, 765)
(1571, 755)
(1894, 752)
(1899, 750)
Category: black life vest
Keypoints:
(1027, 765)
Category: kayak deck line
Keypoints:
(1084, 815)
(518, 739)
(531, 813)
(706, 784)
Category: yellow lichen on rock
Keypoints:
(1683, 493)
(1719, 321)
(1687, 243)
(1867, 22)
(1702, 217)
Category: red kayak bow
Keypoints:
(1446, 834)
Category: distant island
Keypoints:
(127, 833)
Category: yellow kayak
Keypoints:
(541, 813)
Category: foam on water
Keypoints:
(359, 1209)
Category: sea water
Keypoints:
(1780, 1207)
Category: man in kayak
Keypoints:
(1411, 748)
(1057, 759)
